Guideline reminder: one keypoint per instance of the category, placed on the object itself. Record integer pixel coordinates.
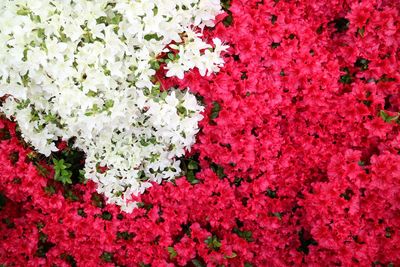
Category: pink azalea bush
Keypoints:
(296, 162)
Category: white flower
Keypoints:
(175, 69)
(89, 66)
(190, 56)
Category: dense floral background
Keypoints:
(296, 163)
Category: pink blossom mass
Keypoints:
(297, 161)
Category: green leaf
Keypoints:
(81, 212)
(125, 235)
(24, 11)
(155, 11)
(361, 31)
(388, 232)
(97, 200)
(182, 111)
(109, 103)
(62, 174)
(228, 20)
(155, 65)
(43, 245)
(275, 45)
(190, 176)
(345, 79)
(190, 166)
(238, 181)
(386, 117)
(226, 4)
(50, 190)
(35, 18)
(271, 193)
(362, 63)
(69, 259)
(172, 252)
(305, 242)
(116, 19)
(25, 55)
(41, 169)
(215, 110)
(25, 78)
(233, 255)
(5, 134)
(320, 29)
(247, 235)
(171, 56)
(341, 24)
(218, 170)
(213, 242)
(273, 19)
(164, 95)
(151, 36)
(367, 102)
(69, 194)
(146, 206)
(277, 215)
(193, 165)
(197, 263)
(106, 216)
(9, 223)
(142, 176)
(41, 33)
(63, 36)
(106, 256)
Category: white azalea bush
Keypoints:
(86, 70)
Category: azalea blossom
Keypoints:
(85, 69)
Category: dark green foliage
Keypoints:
(387, 118)
(106, 216)
(125, 235)
(247, 235)
(190, 166)
(341, 24)
(172, 252)
(5, 134)
(106, 256)
(216, 108)
(219, 170)
(43, 245)
(305, 240)
(362, 63)
(346, 78)
(213, 242)
(61, 171)
(228, 20)
(71, 162)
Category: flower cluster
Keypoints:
(295, 164)
(86, 70)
